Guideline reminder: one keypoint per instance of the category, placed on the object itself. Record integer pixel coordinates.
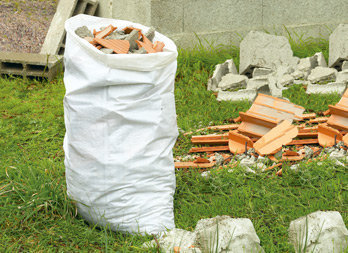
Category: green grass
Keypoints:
(36, 214)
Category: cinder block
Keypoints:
(35, 65)
(54, 43)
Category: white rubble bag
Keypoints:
(120, 130)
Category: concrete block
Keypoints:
(260, 84)
(319, 232)
(221, 15)
(261, 72)
(224, 234)
(345, 65)
(320, 59)
(232, 81)
(306, 65)
(243, 94)
(220, 71)
(35, 65)
(322, 74)
(338, 46)
(326, 88)
(285, 80)
(342, 77)
(104, 8)
(259, 49)
(54, 43)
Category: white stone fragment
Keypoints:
(246, 94)
(232, 81)
(274, 89)
(262, 50)
(307, 64)
(220, 71)
(259, 83)
(261, 72)
(224, 234)
(326, 88)
(319, 232)
(321, 59)
(338, 46)
(342, 77)
(285, 80)
(322, 74)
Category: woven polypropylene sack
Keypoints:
(120, 130)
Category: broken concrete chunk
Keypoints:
(285, 80)
(243, 94)
(306, 65)
(320, 59)
(322, 75)
(273, 87)
(232, 81)
(150, 34)
(117, 35)
(319, 232)
(83, 32)
(259, 83)
(220, 71)
(224, 234)
(132, 38)
(261, 50)
(338, 46)
(326, 88)
(345, 65)
(261, 72)
(342, 77)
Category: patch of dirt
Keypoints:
(24, 24)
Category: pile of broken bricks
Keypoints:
(109, 40)
(276, 129)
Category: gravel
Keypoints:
(24, 24)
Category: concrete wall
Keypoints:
(226, 21)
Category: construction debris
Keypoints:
(126, 41)
(273, 129)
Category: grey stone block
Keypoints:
(35, 65)
(150, 34)
(342, 77)
(224, 234)
(321, 59)
(261, 72)
(83, 32)
(319, 232)
(132, 37)
(259, 49)
(306, 65)
(322, 74)
(326, 88)
(232, 81)
(54, 43)
(220, 71)
(258, 83)
(338, 46)
(243, 94)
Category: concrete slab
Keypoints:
(342, 76)
(322, 74)
(338, 46)
(244, 94)
(220, 71)
(261, 72)
(232, 81)
(54, 43)
(35, 65)
(259, 49)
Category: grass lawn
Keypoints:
(36, 214)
